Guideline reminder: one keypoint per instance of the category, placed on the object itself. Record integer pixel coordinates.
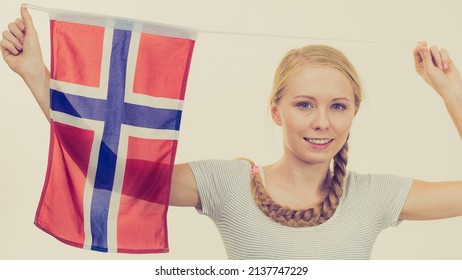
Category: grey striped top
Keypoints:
(370, 203)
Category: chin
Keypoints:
(316, 159)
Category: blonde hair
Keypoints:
(320, 55)
(291, 64)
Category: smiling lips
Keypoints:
(319, 144)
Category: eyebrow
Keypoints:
(311, 97)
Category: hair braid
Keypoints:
(305, 217)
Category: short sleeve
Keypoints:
(389, 193)
(215, 179)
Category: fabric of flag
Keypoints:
(116, 97)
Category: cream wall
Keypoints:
(402, 127)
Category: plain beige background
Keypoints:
(402, 127)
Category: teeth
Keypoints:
(318, 141)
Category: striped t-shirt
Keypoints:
(369, 204)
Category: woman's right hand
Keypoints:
(21, 51)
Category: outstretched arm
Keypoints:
(184, 187)
(437, 200)
(21, 51)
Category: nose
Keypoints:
(320, 120)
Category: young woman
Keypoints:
(306, 205)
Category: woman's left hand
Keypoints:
(438, 70)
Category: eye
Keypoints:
(305, 105)
(338, 107)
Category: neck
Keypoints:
(298, 174)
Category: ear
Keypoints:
(275, 113)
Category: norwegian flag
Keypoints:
(117, 91)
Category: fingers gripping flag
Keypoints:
(117, 91)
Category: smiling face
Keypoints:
(316, 109)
